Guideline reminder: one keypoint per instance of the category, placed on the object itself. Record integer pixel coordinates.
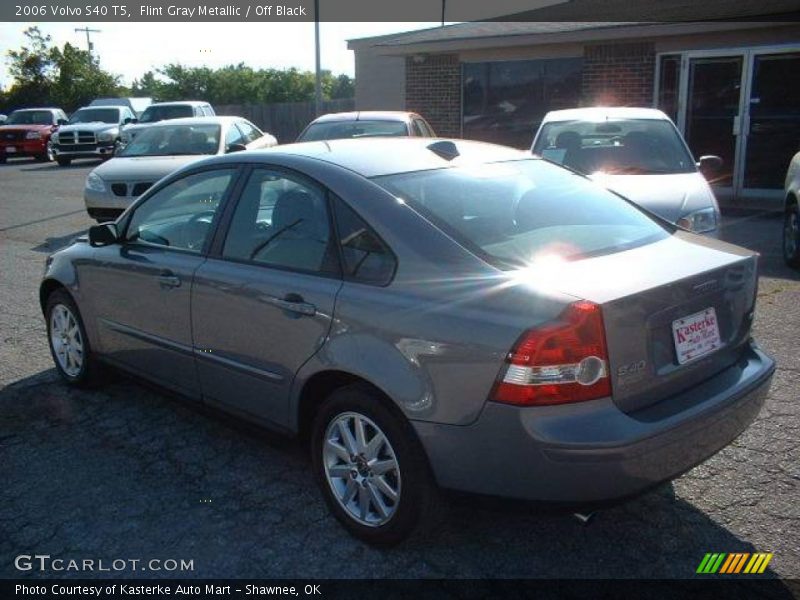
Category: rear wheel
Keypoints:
(371, 469)
(791, 236)
(64, 162)
(68, 342)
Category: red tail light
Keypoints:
(565, 361)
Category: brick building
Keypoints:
(729, 86)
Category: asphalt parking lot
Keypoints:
(128, 472)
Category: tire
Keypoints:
(791, 236)
(71, 352)
(64, 162)
(2, 160)
(419, 505)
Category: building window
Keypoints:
(668, 81)
(504, 102)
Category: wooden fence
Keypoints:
(284, 120)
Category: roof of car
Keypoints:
(600, 113)
(50, 108)
(373, 157)
(179, 103)
(367, 115)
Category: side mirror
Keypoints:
(127, 121)
(62, 122)
(235, 148)
(709, 164)
(104, 234)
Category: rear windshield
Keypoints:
(163, 113)
(337, 130)
(618, 146)
(95, 115)
(515, 213)
(30, 117)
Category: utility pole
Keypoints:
(318, 78)
(444, 3)
(88, 31)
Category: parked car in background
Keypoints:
(364, 123)
(638, 153)
(27, 132)
(161, 149)
(164, 111)
(92, 132)
(136, 105)
(445, 313)
(791, 222)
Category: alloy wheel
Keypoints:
(66, 340)
(361, 468)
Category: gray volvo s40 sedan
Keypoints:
(432, 314)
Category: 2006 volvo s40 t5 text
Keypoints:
(432, 314)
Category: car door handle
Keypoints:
(293, 303)
(168, 280)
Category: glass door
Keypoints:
(712, 123)
(773, 125)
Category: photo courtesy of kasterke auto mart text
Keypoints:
(304, 296)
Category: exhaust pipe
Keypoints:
(584, 519)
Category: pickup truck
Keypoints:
(27, 132)
(92, 132)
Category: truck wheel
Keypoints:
(64, 162)
(2, 160)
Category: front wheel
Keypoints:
(371, 469)
(791, 236)
(69, 344)
(64, 162)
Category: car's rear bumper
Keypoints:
(592, 451)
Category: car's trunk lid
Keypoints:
(643, 291)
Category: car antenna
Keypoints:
(446, 149)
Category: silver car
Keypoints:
(160, 149)
(431, 314)
(638, 153)
(366, 123)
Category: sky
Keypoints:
(131, 49)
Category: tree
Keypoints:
(79, 78)
(31, 67)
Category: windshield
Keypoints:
(618, 146)
(172, 140)
(514, 213)
(95, 115)
(163, 113)
(337, 130)
(30, 117)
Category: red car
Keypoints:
(27, 132)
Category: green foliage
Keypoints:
(238, 84)
(70, 78)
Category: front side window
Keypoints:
(615, 146)
(283, 222)
(518, 212)
(249, 131)
(181, 215)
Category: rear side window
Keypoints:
(365, 257)
(517, 212)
